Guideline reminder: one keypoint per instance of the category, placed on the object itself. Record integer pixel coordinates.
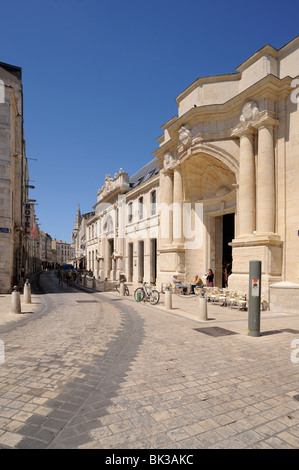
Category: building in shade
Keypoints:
(15, 208)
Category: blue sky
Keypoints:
(100, 78)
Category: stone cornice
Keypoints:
(269, 86)
(270, 239)
(266, 50)
(209, 79)
(112, 187)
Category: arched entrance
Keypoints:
(210, 182)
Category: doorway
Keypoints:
(153, 261)
(110, 259)
(140, 261)
(130, 262)
(222, 229)
(228, 234)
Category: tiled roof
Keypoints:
(17, 71)
(145, 173)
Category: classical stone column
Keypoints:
(265, 178)
(166, 200)
(246, 183)
(178, 236)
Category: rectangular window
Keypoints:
(153, 203)
(117, 217)
(130, 212)
(140, 211)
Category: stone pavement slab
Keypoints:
(7, 318)
(114, 373)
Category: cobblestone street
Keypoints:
(99, 371)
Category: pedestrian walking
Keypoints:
(69, 276)
(60, 276)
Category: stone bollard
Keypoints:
(203, 310)
(168, 299)
(106, 285)
(122, 288)
(15, 301)
(27, 292)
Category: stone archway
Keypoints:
(211, 182)
(205, 179)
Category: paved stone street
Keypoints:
(99, 371)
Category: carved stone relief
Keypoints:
(185, 136)
(250, 112)
(169, 160)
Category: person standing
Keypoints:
(210, 278)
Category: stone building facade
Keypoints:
(225, 186)
(234, 148)
(61, 252)
(78, 243)
(123, 234)
(15, 209)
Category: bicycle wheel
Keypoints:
(127, 292)
(117, 287)
(139, 294)
(154, 297)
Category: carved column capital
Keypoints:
(243, 129)
(169, 160)
(266, 119)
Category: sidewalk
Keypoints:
(7, 318)
(186, 306)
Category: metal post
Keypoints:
(203, 309)
(254, 308)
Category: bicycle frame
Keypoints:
(147, 293)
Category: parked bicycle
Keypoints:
(127, 292)
(145, 293)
